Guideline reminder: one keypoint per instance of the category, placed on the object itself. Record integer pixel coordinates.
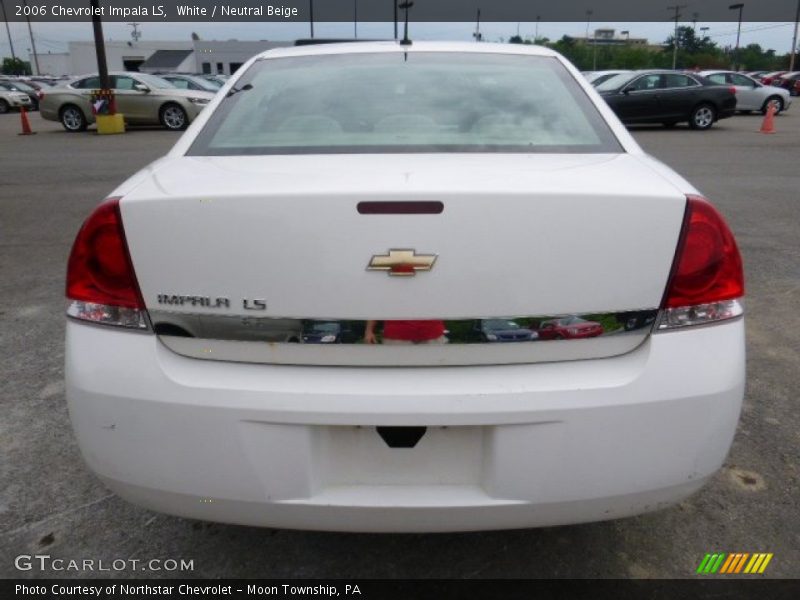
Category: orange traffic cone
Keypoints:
(768, 125)
(26, 124)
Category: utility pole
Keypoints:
(794, 37)
(677, 9)
(311, 17)
(394, 3)
(11, 42)
(355, 19)
(135, 34)
(536, 33)
(33, 43)
(100, 46)
(738, 7)
(477, 34)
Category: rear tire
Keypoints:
(4, 107)
(702, 117)
(174, 117)
(777, 101)
(72, 118)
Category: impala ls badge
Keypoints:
(402, 263)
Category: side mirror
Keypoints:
(140, 87)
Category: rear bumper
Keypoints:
(506, 446)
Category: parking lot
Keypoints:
(51, 504)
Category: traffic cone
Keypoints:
(26, 124)
(768, 125)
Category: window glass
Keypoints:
(676, 80)
(737, 79)
(646, 82)
(89, 83)
(415, 102)
(120, 82)
(718, 78)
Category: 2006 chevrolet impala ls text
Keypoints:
(394, 198)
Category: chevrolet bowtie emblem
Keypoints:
(403, 263)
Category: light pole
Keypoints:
(536, 31)
(311, 17)
(33, 43)
(394, 4)
(8, 30)
(703, 31)
(794, 37)
(627, 35)
(355, 19)
(738, 7)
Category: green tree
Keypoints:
(15, 66)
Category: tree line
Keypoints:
(693, 52)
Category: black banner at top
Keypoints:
(546, 11)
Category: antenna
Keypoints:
(405, 5)
(135, 34)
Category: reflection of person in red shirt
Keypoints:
(407, 332)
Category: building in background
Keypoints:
(607, 37)
(200, 56)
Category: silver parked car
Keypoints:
(751, 94)
(142, 98)
(10, 99)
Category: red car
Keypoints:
(789, 81)
(568, 328)
(770, 77)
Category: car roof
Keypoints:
(393, 46)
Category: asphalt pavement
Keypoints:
(51, 504)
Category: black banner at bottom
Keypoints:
(418, 589)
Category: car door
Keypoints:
(749, 96)
(639, 99)
(679, 96)
(82, 91)
(130, 101)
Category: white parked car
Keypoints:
(751, 94)
(598, 77)
(10, 99)
(407, 192)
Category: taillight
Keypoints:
(732, 89)
(101, 283)
(707, 281)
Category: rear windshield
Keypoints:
(396, 102)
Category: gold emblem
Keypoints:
(402, 263)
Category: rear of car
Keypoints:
(416, 188)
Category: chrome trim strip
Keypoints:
(493, 331)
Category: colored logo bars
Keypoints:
(737, 562)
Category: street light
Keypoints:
(626, 33)
(703, 31)
(738, 7)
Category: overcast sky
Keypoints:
(53, 37)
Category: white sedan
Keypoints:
(751, 94)
(407, 193)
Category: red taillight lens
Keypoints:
(708, 267)
(707, 280)
(733, 89)
(101, 282)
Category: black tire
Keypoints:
(72, 118)
(173, 117)
(4, 107)
(702, 117)
(778, 104)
